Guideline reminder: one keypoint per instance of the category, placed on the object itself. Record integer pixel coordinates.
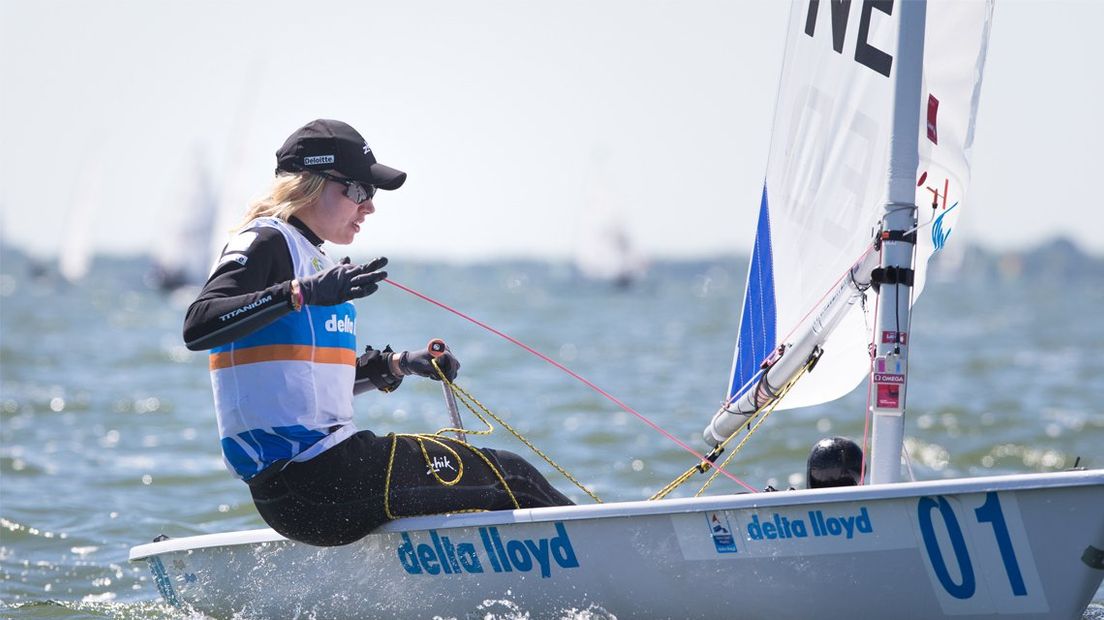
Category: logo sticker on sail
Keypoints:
(721, 531)
(938, 235)
(933, 112)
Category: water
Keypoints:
(108, 435)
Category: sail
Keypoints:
(604, 246)
(75, 252)
(181, 257)
(825, 186)
(605, 252)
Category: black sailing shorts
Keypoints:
(338, 496)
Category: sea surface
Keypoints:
(108, 438)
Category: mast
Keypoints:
(889, 374)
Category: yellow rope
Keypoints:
(421, 439)
(466, 398)
(701, 467)
(674, 484)
(387, 480)
(440, 440)
(759, 419)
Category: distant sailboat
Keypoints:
(208, 206)
(608, 254)
(75, 252)
(181, 257)
(604, 248)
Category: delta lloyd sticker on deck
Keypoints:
(791, 531)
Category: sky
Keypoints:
(523, 126)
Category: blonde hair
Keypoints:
(290, 192)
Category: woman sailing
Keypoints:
(277, 316)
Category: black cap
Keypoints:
(326, 144)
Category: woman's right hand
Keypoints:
(421, 363)
(342, 282)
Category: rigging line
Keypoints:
(467, 399)
(919, 224)
(813, 308)
(746, 387)
(869, 413)
(574, 375)
(817, 306)
(911, 300)
(897, 320)
(751, 428)
(908, 462)
(897, 299)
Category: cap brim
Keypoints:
(386, 177)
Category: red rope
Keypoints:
(574, 375)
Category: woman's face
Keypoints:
(334, 217)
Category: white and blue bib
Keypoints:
(285, 391)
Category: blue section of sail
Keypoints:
(757, 325)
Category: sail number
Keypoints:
(865, 53)
(958, 552)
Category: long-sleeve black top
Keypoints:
(251, 287)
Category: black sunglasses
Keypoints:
(354, 190)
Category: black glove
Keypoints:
(373, 371)
(421, 363)
(342, 282)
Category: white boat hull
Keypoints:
(1025, 545)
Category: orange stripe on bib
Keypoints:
(282, 353)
